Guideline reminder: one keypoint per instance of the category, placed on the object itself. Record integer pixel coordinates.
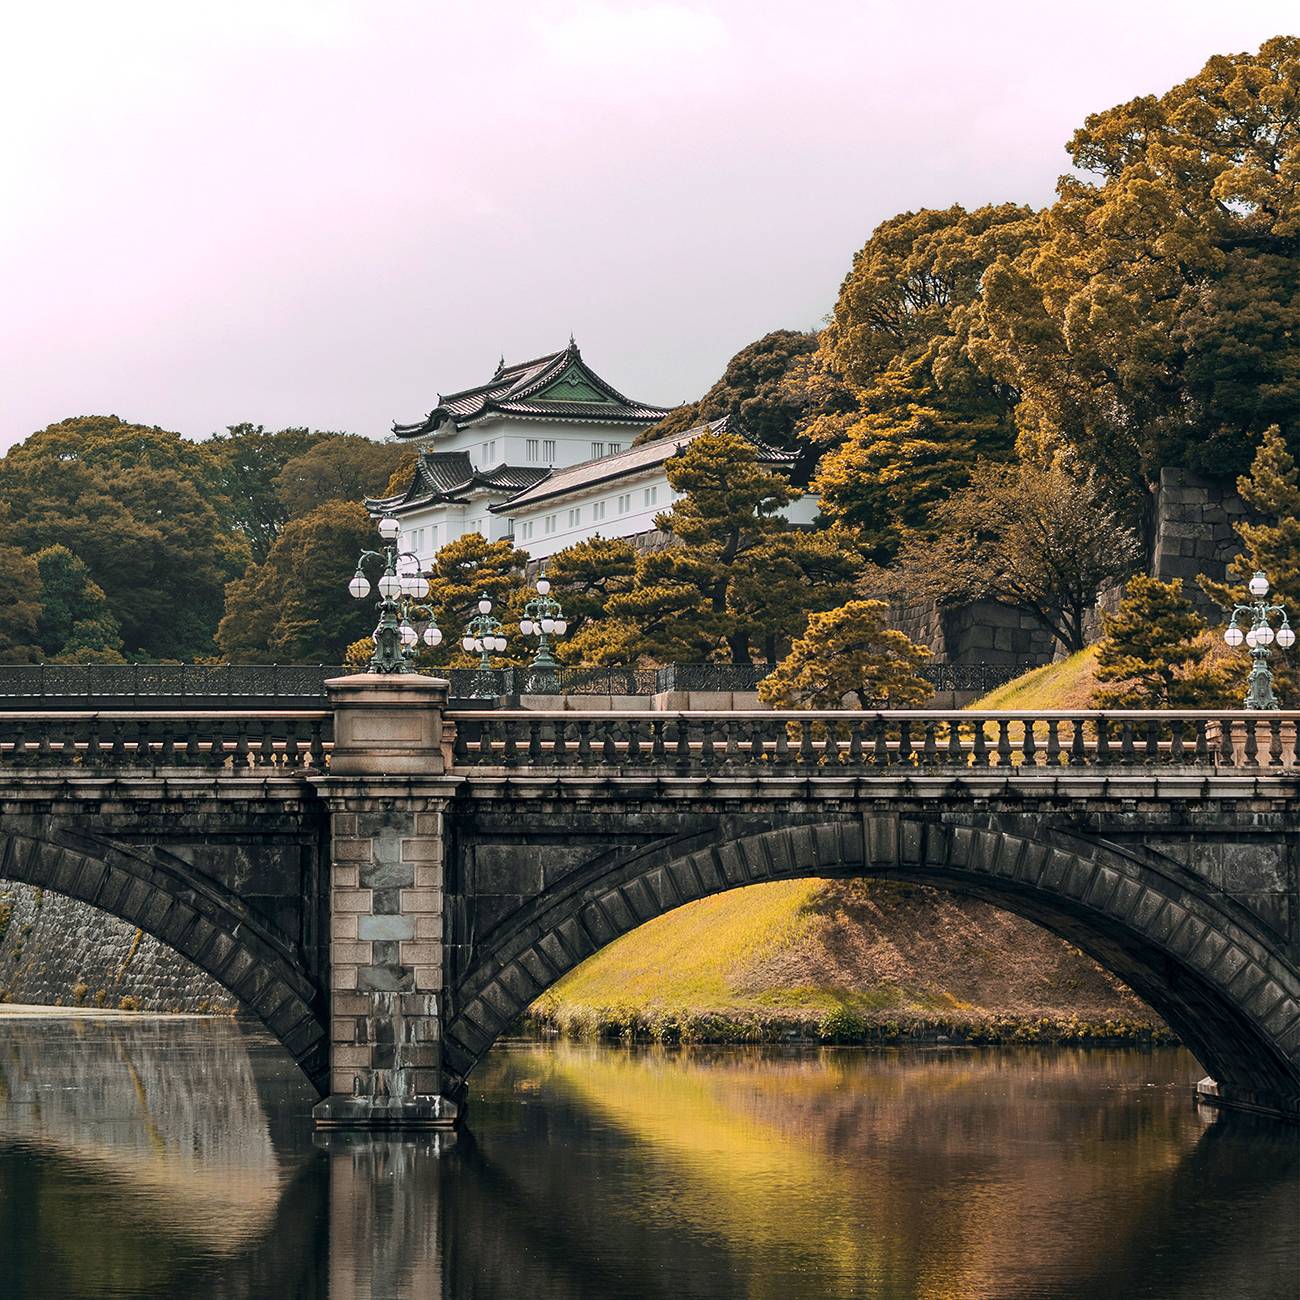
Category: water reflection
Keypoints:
(162, 1157)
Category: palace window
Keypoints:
(532, 447)
(615, 447)
(651, 495)
(625, 503)
(597, 450)
(575, 517)
(527, 529)
(489, 452)
(597, 511)
(550, 523)
(548, 450)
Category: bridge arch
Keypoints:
(195, 917)
(1201, 962)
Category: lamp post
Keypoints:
(1259, 690)
(483, 638)
(402, 589)
(543, 618)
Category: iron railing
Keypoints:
(253, 740)
(303, 685)
(858, 743)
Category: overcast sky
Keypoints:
(321, 212)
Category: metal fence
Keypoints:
(303, 685)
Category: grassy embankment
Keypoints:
(845, 961)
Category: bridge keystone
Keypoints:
(387, 796)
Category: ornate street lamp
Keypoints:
(404, 620)
(543, 618)
(483, 638)
(1259, 692)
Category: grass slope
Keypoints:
(852, 960)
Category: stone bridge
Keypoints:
(389, 883)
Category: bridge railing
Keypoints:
(763, 741)
(252, 740)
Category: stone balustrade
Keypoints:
(863, 741)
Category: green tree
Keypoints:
(1270, 542)
(461, 572)
(760, 390)
(336, 467)
(1153, 321)
(250, 459)
(20, 611)
(294, 607)
(712, 592)
(76, 623)
(850, 653)
(143, 508)
(583, 577)
(1154, 653)
(1039, 540)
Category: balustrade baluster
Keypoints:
(1274, 742)
(1252, 744)
(1004, 742)
(292, 753)
(782, 755)
(117, 756)
(632, 752)
(856, 742)
(317, 746)
(706, 743)
(929, 745)
(1176, 746)
(167, 756)
(240, 760)
(955, 756)
(559, 742)
(1152, 742)
(1103, 741)
(193, 751)
(266, 751)
(485, 743)
(1028, 746)
(658, 754)
(93, 752)
(609, 748)
(831, 745)
(682, 745)
(535, 752)
(1202, 742)
(1127, 753)
(1227, 747)
(980, 747)
(1078, 744)
(757, 743)
(510, 743)
(44, 750)
(730, 749)
(883, 756)
(807, 755)
(1053, 742)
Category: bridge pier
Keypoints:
(387, 795)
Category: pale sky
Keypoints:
(321, 212)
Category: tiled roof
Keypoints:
(448, 476)
(519, 390)
(636, 460)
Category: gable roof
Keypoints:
(648, 456)
(560, 385)
(447, 476)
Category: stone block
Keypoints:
(347, 1057)
(387, 875)
(351, 900)
(344, 952)
(385, 979)
(387, 900)
(353, 850)
(421, 900)
(385, 952)
(386, 927)
(426, 849)
(419, 953)
(343, 979)
(344, 877)
(342, 824)
(344, 926)
(429, 925)
(428, 876)
(428, 978)
(352, 1004)
(428, 823)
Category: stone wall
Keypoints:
(982, 632)
(1194, 531)
(55, 951)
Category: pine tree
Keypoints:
(1155, 653)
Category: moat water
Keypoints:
(175, 1158)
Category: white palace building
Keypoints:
(542, 453)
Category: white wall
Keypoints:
(506, 441)
(638, 517)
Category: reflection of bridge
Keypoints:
(390, 885)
